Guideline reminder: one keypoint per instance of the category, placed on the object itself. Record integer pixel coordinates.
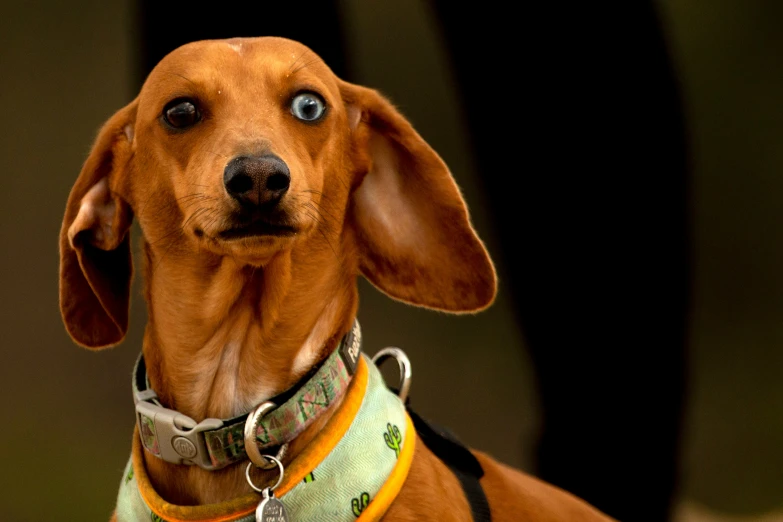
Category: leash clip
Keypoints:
(174, 437)
(404, 365)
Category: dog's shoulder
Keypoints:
(430, 492)
(433, 492)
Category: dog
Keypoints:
(264, 185)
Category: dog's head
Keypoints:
(252, 147)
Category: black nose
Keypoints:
(256, 180)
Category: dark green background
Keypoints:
(68, 415)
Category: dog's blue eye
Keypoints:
(307, 106)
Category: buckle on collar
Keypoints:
(172, 436)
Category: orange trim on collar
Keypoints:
(391, 488)
(333, 432)
(304, 463)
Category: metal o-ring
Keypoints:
(403, 363)
(251, 444)
(279, 480)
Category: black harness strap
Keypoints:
(460, 460)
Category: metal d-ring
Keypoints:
(251, 444)
(279, 479)
(402, 362)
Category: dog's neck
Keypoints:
(243, 334)
(239, 337)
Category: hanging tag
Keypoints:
(270, 509)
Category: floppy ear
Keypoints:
(412, 226)
(95, 255)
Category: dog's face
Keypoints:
(250, 148)
(242, 144)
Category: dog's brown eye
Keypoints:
(181, 113)
(307, 106)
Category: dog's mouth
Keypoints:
(257, 228)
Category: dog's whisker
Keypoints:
(299, 57)
(144, 205)
(320, 231)
(322, 212)
(307, 64)
(184, 78)
(324, 217)
(324, 199)
(191, 195)
(216, 154)
(166, 236)
(190, 198)
(181, 229)
(211, 218)
(162, 238)
(181, 233)
(322, 195)
(171, 244)
(197, 212)
(196, 201)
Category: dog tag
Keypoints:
(270, 509)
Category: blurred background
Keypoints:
(622, 163)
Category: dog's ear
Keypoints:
(95, 254)
(411, 223)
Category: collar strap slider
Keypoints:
(146, 395)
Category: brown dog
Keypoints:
(264, 185)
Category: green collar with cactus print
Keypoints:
(356, 476)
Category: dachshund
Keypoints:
(263, 186)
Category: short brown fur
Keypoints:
(367, 196)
